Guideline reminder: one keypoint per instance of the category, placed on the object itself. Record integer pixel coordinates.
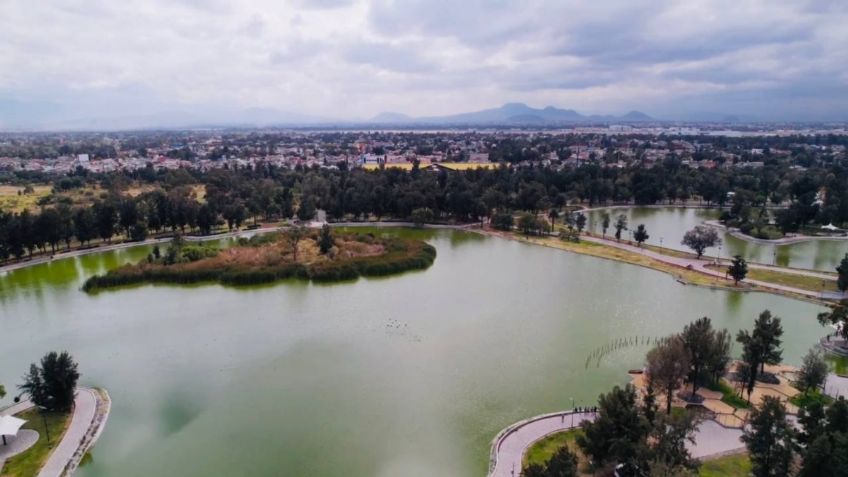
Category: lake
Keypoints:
(671, 223)
(407, 375)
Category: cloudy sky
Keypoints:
(352, 59)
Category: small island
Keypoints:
(320, 255)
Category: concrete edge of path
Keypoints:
(509, 430)
(101, 413)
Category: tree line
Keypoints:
(235, 196)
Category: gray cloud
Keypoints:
(354, 58)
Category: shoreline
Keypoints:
(701, 270)
(735, 232)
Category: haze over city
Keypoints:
(98, 64)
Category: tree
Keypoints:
(641, 234)
(562, 464)
(421, 216)
(580, 222)
(667, 367)
(819, 458)
(738, 269)
(620, 225)
(2, 391)
(768, 330)
(325, 239)
(706, 348)
(842, 270)
(837, 316)
(294, 236)
(605, 223)
(669, 437)
(528, 224)
(552, 216)
(306, 210)
(619, 432)
(769, 439)
(502, 221)
(701, 238)
(52, 385)
(813, 372)
(812, 420)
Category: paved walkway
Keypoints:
(85, 410)
(15, 445)
(85, 405)
(836, 386)
(509, 446)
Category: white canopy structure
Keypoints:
(9, 426)
(830, 227)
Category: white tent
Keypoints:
(830, 227)
(9, 426)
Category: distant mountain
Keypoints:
(637, 116)
(390, 117)
(521, 114)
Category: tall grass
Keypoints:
(400, 255)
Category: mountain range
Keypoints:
(511, 113)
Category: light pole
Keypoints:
(661, 240)
(41, 411)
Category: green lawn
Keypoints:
(804, 400)
(730, 466)
(29, 463)
(729, 395)
(542, 451)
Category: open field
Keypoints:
(13, 199)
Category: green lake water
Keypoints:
(409, 375)
(670, 223)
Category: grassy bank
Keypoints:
(271, 257)
(621, 255)
(542, 450)
(738, 465)
(794, 280)
(28, 463)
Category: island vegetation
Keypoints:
(298, 252)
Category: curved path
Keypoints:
(91, 409)
(509, 447)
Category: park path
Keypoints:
(508, 448)
(89, 418)
(701, 266)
